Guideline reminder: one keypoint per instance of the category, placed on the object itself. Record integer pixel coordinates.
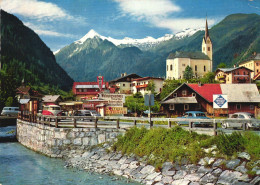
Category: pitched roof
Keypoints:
(252, 57)
(257, 76)
(241, 92)
(23, 89)
(50, 98)
(228, 70)
(206, 90)
(191, 55)
(124, 78)
(147, 78)
(236, 92)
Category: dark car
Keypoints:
(84, 113)
(194, 115)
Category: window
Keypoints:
(123, 85)
(195, 67)
(183, 65)
(186, 107)
(208, 48)
(252, 107)
(257, 64)
(184, 92)
(171, 107)
(244, 73)
(241, 116)
(238, 106)
(174, 95)
(194, 94)
(204, 68)
(171, 67)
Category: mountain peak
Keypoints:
(90, 35)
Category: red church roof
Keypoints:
(206, 90)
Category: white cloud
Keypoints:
(148, 8)
(160, 13)
(41, 30)
(176, 25)
(35, 9)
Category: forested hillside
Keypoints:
(24, 56)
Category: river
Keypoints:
(21, 166)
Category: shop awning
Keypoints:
(24, 101)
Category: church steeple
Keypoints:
(206, 30)
(206, 42)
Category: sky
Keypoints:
(61, 22)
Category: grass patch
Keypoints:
(158, 145)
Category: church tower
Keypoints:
(206, 43)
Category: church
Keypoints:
(200, 61)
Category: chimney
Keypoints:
(122, 74)
(200, 84)
(235, 65)
(254, 53)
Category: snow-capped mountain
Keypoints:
(187, 33)
(144, 43)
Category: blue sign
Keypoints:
(220, 101)
(149, 100)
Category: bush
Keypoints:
(160, 144)
(229, 144)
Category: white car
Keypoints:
(10, 111)
(236, 121)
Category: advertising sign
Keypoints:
(220, 101)
(115, 110)
(114, 100)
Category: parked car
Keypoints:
(239, 123)
(90, 113)
(52, 110)
(94, 113)
(194, 115)
(10, 111)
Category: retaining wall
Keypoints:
(58, 142)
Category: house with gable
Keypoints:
(253, 63)
(199, 97)
(233, 75)
(123, 84)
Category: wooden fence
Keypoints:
(211, 125)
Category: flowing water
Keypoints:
(21, 166)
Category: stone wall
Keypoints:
(58, 142)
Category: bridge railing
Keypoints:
(209, 125)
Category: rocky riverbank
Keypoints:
(208, 171)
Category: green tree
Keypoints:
(151, 86)
(135, 103)
(208, 78)
(222, 65)
(9, 102)
(188, 73)
(169, 86)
